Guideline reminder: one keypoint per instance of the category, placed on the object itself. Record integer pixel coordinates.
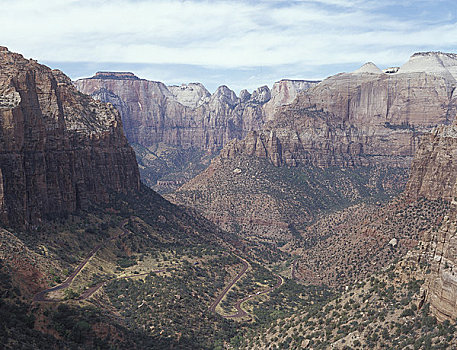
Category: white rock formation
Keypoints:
(369, 68)
(435, 63)
(190, 95)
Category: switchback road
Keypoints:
(41, 296)
(240, 312)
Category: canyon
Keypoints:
(161, 121)
(367, 120)
(344, 190)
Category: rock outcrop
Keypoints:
(60, 150)
(434, 175)
(190, 95)
(366, 117)
(187, 115)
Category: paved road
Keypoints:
(240, 312)
(227, 288)
(41, 296)
(88, 292)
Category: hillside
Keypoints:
(362, 127)
(250, 196)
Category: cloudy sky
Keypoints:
(242, 44)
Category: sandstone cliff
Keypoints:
(60, 150)
(433, 175)
(161, 121)
(362, 118)
(187, 115)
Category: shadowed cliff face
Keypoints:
(434, 175)
(59, 149)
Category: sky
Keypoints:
(241, 44)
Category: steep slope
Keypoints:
(159, 119)
(362, 118)
(59, 150)
(367, 120)
(433, 176)
(249, 195)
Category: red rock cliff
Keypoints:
(434, 175)
(60, 150)
(362, 118)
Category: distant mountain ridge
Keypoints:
(159, 119)
(362, 118)
(367, 119)
(187, 115)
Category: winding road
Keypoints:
(227, 288)
(239, 311)
(41, 296)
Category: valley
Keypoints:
(315, 214)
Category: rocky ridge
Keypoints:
(60, 150)
(161, 120)
(364, 118)
(187, 115)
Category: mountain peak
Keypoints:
(434, 53)
(191, 95)
(368, 67)
(433, 62)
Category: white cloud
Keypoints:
(225, 34)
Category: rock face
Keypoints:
(433, 176)
(434, 170)
(60, 150)
(284, 92)
(160, 121)
(366, 117)
(187, 115)
(190, 95)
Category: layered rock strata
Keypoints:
(60, 150)
(363, 118)
(187, 116)
(433, 176)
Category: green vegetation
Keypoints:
(164, 168)
(379, 313)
